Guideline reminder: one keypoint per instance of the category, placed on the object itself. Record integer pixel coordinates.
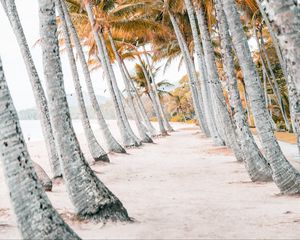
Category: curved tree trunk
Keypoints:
(111, 143)
(285, 175)
(221, 108)
(117, 90)
(96, 150)
(140, 106)
(152, 98)
(203, 76)
(284, 19)
(256, 165)
(127, 138)
(192, 76)
(90, 197)
(36, 217)
(155, 91)
(43, 177)
(38, 91)
(145, 138)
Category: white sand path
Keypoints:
(182, 187)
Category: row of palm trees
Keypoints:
(171, 28)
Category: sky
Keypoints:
(15, 70)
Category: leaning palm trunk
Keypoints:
(39, 95)
(274, 83)
(90, 197)
(117, 91)
(43, 177)
(192, 77)
(221, 108)
(145, 138)
(36, 217)
(127, 138)
(111, 143)
(201, 65)
(285, 175)
(284, 17)
(96, 150)
(155, 91)
(140, 106)
(256, 165)
(153, 99)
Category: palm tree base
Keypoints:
(111, 211)
(102, 158)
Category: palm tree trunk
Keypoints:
(285, 175)
(117, 92)
(43, 177)
(155, 91)
(192, 76)
(145, 138)
(36, 217)
(202, 72)
(256, 165)
(127, 138)
(284, 19)
(90, 197)
(276, 87)
(96, 150)
(225, 121)
(38, 91)
(151, 130)
(111, 143)
(162, 129)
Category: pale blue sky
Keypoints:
(14, 67)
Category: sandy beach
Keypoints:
(181, 187)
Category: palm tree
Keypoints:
(161, 110)
(117, 90)
(95, 149)
(285, 175)
(36, 217)
(202, 70)
(129, 139)
(90, 197)
(111, 143)
(225, 125)
(153, 97)
(140, 106)
(284, 21)
(39, 95)
(256, 165)
(145, 138)
(193, 80)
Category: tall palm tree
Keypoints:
(128, 138)
(117, 90)
(284, 19)
(153, 97)
(161, 110)
(226, 128)
(90, 197)
(38, 91)
(145, 138)
(202, 70)
(140, 106)
(95, 149)
(255, 163)
(36, 217)
(193, 80)
(111, 143)
(286, 177)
